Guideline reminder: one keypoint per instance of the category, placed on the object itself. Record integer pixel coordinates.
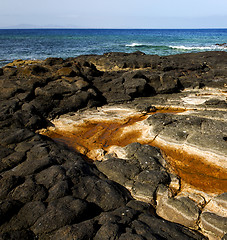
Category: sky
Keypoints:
(114, 13)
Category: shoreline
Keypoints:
(49, 191)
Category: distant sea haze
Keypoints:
(64, 43)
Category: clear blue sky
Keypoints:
(115, 13)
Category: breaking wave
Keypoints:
(178, 48)
(137, 45)
(212, 47)
(146, 45)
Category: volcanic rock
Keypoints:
(50, 191)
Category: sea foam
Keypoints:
(134, 45)
(212, 47)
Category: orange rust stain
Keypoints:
(192, 169)
(195, 170)
(98, 134)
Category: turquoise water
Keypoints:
(43, 43)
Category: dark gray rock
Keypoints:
(12, 160)
(59, 213)
(59, 190)
(129, 236)
(8, 208)
(167, 230)
(26, 217)
(51, 176)
(143, 230)
(108, 231)
(29, 191)
(118, 170)
(83, 231)
(8, 183)
(22, 234)
(98, 191)
(139, 206)
(16, 136)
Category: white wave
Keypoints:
(134, 45)
(212, 47)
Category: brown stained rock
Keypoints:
(66, 71)
(98, 134)
(10, 71)
(53, 61)
(36, 70)
(81, 84)
(194, 170)
(93, 137)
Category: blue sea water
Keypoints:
(43, 43)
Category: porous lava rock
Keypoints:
(48, 191)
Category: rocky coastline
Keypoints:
(114, 146)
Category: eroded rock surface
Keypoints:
(48, 190)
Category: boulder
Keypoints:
(180, 210)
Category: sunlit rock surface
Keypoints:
(94, 147)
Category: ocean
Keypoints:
(64, 43)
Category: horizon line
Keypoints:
(80, 28)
